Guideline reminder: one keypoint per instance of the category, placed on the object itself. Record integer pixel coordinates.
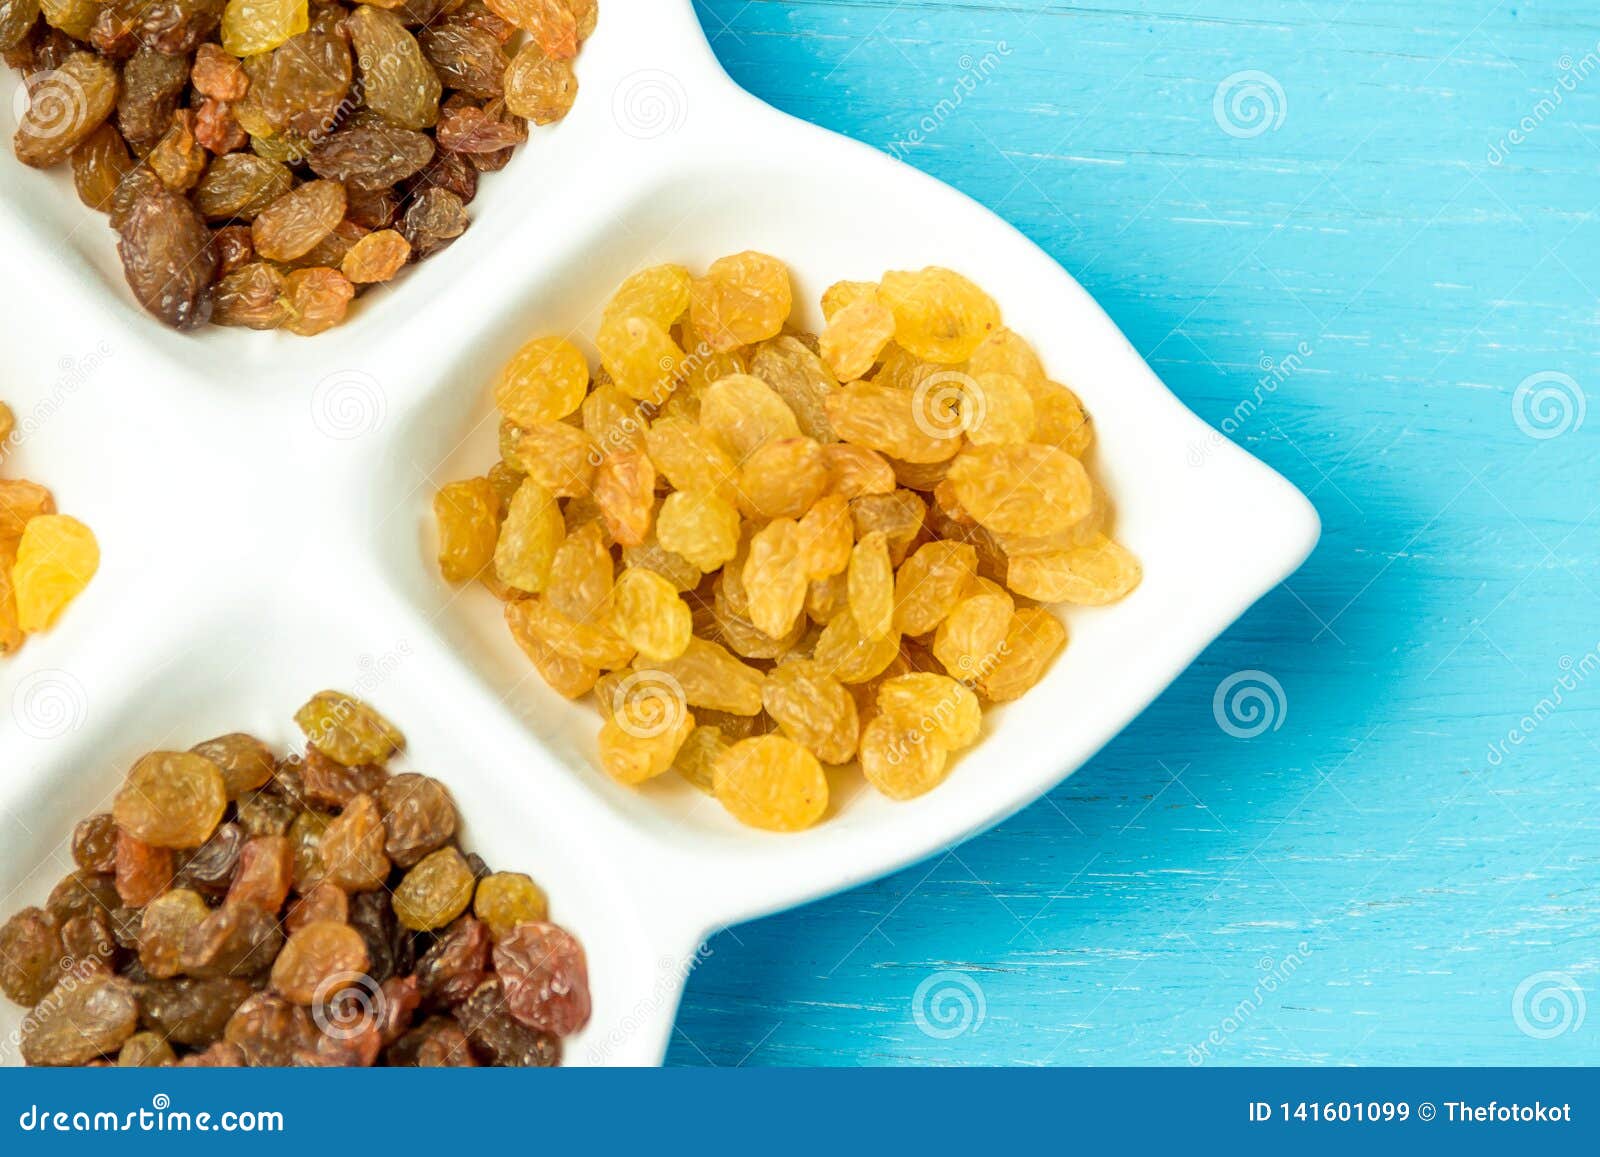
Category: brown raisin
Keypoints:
(166, 257)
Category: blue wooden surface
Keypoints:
(1407, 869)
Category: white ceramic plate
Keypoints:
(262, 502)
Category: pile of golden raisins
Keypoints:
(832, 548)
(46, 559)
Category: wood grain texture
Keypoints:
(1374, 881)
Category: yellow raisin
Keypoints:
(568, 677)
(1099, 572)
(56, 558)
(782, 478)
(528, 539)
(771, 782)
(855, 335)
(1059, 419)
(930, 583)
(936, 705)
(592, 644)
(690, 458)
(1022, 489)
(856, 470)
(582, 575)
(625, 489)
(250, 27)
(902, 424)
(505, 899)
(631, 753)
(842, 294)
(827, 533)
(558, 456)
(660, 294)
(702, 528)
(870, 586)
(468, 528)
(710, 676)
(999, 409)
(813, 708)
(648, 613)
(641, 357)
(846, 653)
(901, 762)
(435, 891)
(774, 576)
(347, 730)
(1033, 641)
(699, 754)
(741, 300)
(544, 380)
(11, 636)
(970, 640)
(744, 413)
(939, 315)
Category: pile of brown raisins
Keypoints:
(263, 161)
(46, 559)
(833, 547)
(234, 908)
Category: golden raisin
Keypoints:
(771, 782)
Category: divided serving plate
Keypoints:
(263, 507)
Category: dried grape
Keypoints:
(290, 226)
(939, 315)
(1033, 640)
(870, 586)
(741, 300)
(65, 105)
(900, 761)
(80, 1019)
(545, 977)
(546, 379)
(771, 782)
(245, 762)
(469, 527)
(56, 558)
(813, 708)
(166, 256)
(404, 87)
(1099, 572)
(505, 899)
(347, 730)
(171, 799)
(30, 956)
(253, 26)
(648, 613)
(435, 891)
(1022, 489)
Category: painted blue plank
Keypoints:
(1393, 204)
